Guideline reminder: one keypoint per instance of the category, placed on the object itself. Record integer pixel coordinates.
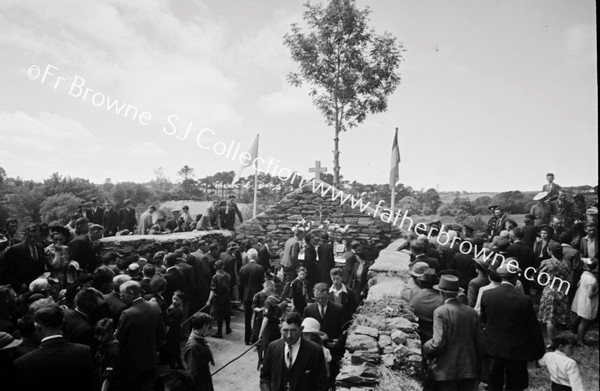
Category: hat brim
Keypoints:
(321, 334)
(540, 196)
(15, 342)
(437, 288)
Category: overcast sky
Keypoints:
(494, 94)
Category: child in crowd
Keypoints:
(171, 351)
(585, 302)
(219, 293)
(298, 290)
(197, 354)
(564, 372)
(258, 306)
(107, 358)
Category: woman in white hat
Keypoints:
(311, 332)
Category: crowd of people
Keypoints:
(110, 323)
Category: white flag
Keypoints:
(253, 151)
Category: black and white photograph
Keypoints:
(316, 195)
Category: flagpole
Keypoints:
(255, 182)
(393, 189)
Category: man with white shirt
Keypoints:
(338, 293)
(293, 363)
(56, 364)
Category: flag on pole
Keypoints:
(253, 151)
(394, 172)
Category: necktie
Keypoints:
(289, 356)
(322, 311)
(33, 251)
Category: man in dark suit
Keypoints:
(464, 264)
(326, 260)
(292, 363)
(457, 338)
(199, 263)
(338, 293)
(417, 249)
(56, 364)
(333, 321)
(529, 231)
(96, 213)
(113, 299)
(264, 254)
(551, 188)
(175, 280)
(230, 213)
(252, 275)
(23, 262)
(589, 244)
(82, 249)
(141, 330)
(351, 260)
(523, 254)
(110, 220)
(126, 217)
(78, 326)
(512, 334)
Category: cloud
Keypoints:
(138, 52)
(148, 149)
(289, 100)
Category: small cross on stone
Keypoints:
(317, 169)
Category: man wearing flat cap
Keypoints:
(512, 334)
(425, 302)
(457, 342)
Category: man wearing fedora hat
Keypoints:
(425, 302)
(512, 334)
(412, 285)
(457, 342)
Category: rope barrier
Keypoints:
(237, 358)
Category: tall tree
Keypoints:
(351, 69)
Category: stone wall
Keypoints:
(383, 349)
(126, 246)
(277, 221)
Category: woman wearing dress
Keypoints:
(554, 303)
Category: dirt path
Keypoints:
(240, 375)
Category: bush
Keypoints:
(57, 209)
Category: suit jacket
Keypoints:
(189, 277)
(348, 302)
(310, 263)
(541, 255)
(564, 211)
(110, 222)
(141, 330)
(552, 190)
(529, 234)
(425, 302)
(126, 218)
(465, 268)
(55, 365)
(583, 248)
(78, 328)
(309, 367)
(175, 282)
(334, 322)
(199, 263)
(95, 217)
(511, 326)
(81, 249)
(351, 260)
(326, 262)
(115, 304)
(19, 268)
(457, 342)
(252, 275)
(523, 254)
(264, 257)
(289, 258)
